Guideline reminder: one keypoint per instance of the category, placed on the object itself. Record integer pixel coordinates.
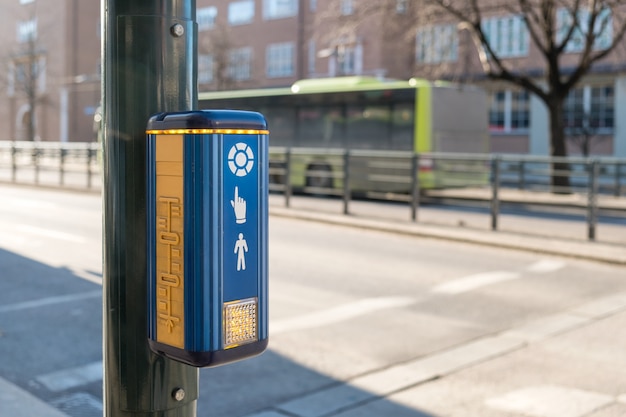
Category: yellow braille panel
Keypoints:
(170, 282)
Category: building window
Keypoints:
(205, 68)
(508, 36)
(27, 74)
(313, 5)
(602, 30)
(347, 59)
(276, 9)
(206, 17)
(240, 64)
(436, 44)
(402, 6)
(27, 31)
(346, 7)
(509, 111)
(279, 60)
(591, 108)
(602, 107)
(520, 110)
(241, 12)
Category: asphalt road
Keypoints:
(362, 323)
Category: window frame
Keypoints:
(247, 6)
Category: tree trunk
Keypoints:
(560, 180)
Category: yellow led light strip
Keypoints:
(208, 132)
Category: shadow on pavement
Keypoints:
(51, 321)
(268, 381)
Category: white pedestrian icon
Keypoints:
(239, 204)
(241, 247)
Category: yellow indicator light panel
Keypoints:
(208, 132)
(169, 241)
(240, 322)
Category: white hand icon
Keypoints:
(239, 204)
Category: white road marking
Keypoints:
(476, 281)
(545, 266)
(38, 231)
(72, 378)
(550, 401)
(42, 302)
(338, 314)
(473, 282)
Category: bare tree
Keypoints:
(25, 66)
(556, 28)
(218, 44)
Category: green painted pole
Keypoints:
(148, 58)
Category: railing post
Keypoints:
(90, 153)
(415, 186)
(288, 187)
(346, 182)
(592, 199)
(13, 162)
(618, 179)
(36, 156)
(62, 153)
(495, 188)
(522, 175)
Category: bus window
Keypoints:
(282, 123)
(403, 127)
(368, 127)
(320, 127)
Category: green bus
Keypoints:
(317, 120)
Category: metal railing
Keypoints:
(592, 186)
(73, 164)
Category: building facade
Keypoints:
(265, 43)
(50, 54)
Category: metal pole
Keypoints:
(149, 66)
(592, 199)
(495, 187)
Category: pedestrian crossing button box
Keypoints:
(207, 211)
